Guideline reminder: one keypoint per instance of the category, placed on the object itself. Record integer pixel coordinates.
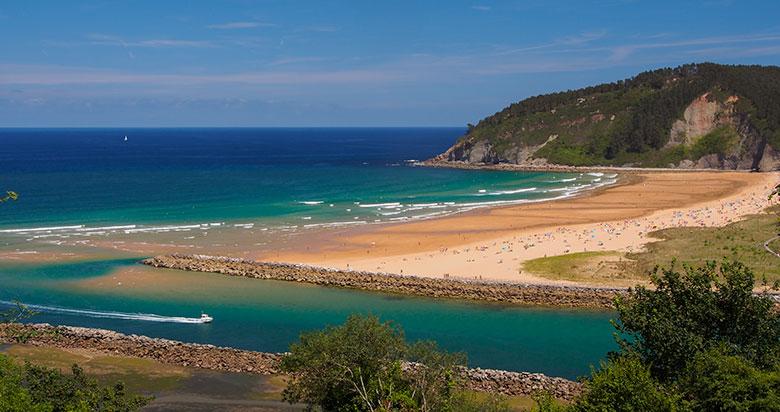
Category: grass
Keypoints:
(743, 240)
(601, 268)
(520, 403)
(151, 377)
(138, 375)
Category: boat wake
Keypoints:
(148, 317)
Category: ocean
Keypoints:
(93, 178)
(80, 187)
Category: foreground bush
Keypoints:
(35, 388)
(700, 341)
(367, 365)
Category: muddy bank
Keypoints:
(235, 360)
(503, 292)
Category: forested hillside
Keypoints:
(694, 116)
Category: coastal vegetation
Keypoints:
(700, 340)
(36, 388)
(367, 365)
(31, 387)
(742, 240)
(696, 115)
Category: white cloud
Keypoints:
(60, 75)
(481, 8)
(98, 39)
(239, 25)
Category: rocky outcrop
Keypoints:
(702, 116)
(504, 292)
(235, 360)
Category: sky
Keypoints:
(151, 63)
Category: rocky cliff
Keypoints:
(702, 116)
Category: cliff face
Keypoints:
(696, 116)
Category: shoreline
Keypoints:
(492, 243)
(459, 164)
(243, 361)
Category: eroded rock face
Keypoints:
(702, 116)
(770, 160)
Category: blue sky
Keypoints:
(344, 63)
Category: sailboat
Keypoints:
(125, 137)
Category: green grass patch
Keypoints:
(607, 267)
(138, 375)
(743, 240)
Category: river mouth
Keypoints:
(266, 315)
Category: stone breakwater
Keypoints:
(162, 350)
(503, 292)
(520, 383)
(236, 360)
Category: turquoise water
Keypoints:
(91, 180)
(83, 187)
(268, 315)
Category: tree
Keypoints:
(355, 364)
(717, 381)
(367, 365)
(700, 341)
(625, 384)
(35, 388)
(694, 311)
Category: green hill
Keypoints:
(694, 116)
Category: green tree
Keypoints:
(717, 381)
(625, 384)
(694, 311)
(700, 341)
(35, 388)
(355, 364)
(367, 365)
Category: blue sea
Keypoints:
(80, 187)
(93, 178)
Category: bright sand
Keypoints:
(493, 243)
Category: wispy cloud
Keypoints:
(295, 60)
(235, 25)
(320, 28)
(98, 39)
(621, 52)
(575, 40)
(481, 8)
(58, 75)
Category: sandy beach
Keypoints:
(492, 244)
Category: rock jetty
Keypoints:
(236, 360)
(502, 292)
(162, 350)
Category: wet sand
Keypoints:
(493, 243)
